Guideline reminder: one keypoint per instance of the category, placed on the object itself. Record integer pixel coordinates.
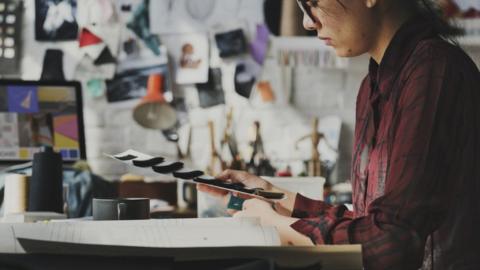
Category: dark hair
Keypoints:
(430, 10)
(433, 12)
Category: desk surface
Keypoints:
(330, 257)
(74, 262)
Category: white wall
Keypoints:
(111, 129)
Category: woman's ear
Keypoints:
(370, 3)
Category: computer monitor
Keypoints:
(39, 113)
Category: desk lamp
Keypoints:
(153, 111)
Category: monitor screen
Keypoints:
(35, 114)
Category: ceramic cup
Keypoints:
(121, 209)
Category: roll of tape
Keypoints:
(16, 194)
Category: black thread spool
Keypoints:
(46, 185)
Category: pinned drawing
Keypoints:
(187, 60)
(55, 20)
(190, 55)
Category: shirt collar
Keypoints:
(398, 52)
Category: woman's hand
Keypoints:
(260, 209)
(285, 207)
(249, 180)
(269, 217)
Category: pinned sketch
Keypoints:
(132, 83)
(99, 40)
(211, 93)
(200, 10)
(55, 20)
(190, 54)
(187, 59)
(187, 16)
(246, 73)
(231, 43)
(174, 15)
(130, 80)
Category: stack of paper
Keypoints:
(178, 239)
(218, 232)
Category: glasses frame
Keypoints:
(306, 9)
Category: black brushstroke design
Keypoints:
(125, 158)
(187, 174)
(168, 167)
(145, 163)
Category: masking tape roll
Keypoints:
(16, 194)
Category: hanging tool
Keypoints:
(259, 164)
(215, 166)
(229, 141)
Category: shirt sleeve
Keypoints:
(307, 208)
(394, 232)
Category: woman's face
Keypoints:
(346, 25)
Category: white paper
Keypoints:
(190, 55)
(244, 221)
(187, 16)
(128, 153)
(8, 242)
(151, 233)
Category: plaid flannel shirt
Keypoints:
(416, 161)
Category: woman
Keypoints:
(416, 156)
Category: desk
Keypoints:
(74, 262)
(330, 257)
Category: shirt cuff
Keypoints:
(324, 230)
(305, 207)
(305, 227)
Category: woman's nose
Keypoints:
(308, 23)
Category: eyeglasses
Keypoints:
(303, 4)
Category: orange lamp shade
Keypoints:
(154, 89)
(153, 111)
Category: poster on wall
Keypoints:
(55, 20)
(186, 16)
(190, 56)
(130, 80)
(211, 93)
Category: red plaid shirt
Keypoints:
(416, 161)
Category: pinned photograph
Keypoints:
(55, 20)
(190, 55)
(187, 59)
(231, 43)
(132, 83)
(246, 73)
(211, 93)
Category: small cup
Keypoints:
(121, 209)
